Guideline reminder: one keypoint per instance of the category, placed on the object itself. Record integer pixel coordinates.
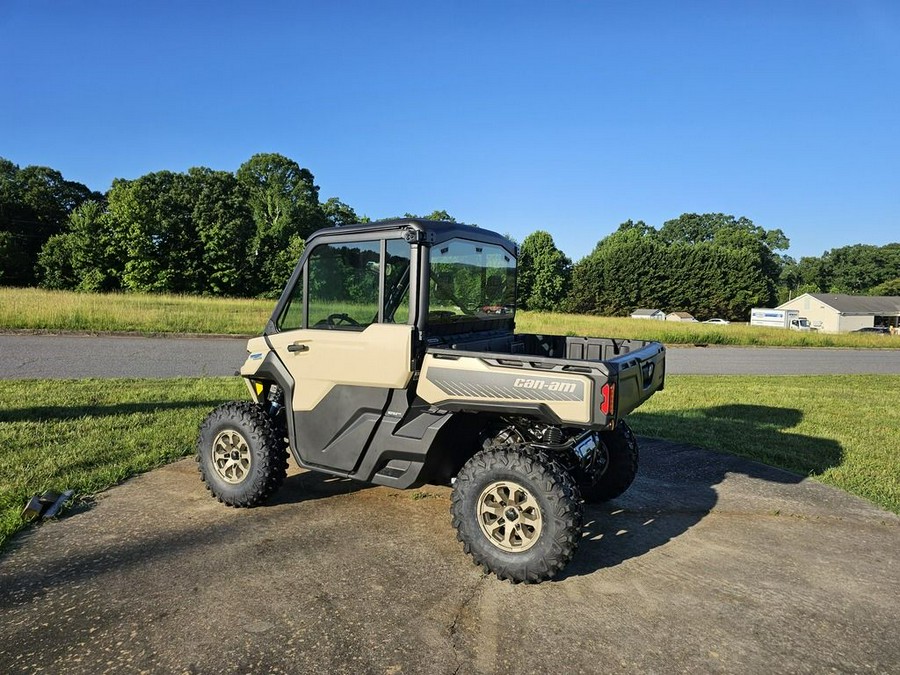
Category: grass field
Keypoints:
(35, 309)
(90, 434)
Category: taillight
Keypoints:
(608, 404)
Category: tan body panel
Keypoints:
(256, 354)
(379, 356)
(470, 379)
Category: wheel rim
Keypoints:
(509, 516)
(231, 456)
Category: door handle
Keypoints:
(297, 347)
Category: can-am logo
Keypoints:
(549, 385)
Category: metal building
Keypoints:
(836, 313)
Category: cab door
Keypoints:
(346, 338)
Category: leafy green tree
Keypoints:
(153, 219)
(734, 234)
(854, 269)
(285, 262)
(723, 229)
(55, 263)
(338, 213)
(585, 285)
(891, 287)
(35, 203)
(224, 225)
(708, 264)
(543, 273)
(87, 257)
(284, 202)
(434, 215)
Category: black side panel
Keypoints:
(335, 434)
(401, 442)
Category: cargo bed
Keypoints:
(527, 373)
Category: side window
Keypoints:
(292, 316)
(396, 282)
(343, 285)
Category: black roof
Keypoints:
(433, 231)
(857, 304)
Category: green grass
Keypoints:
(671, 332)
(90, 434)
(840, 429)
(36, 309)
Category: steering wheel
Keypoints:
(340, 319)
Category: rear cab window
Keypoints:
(470, 281)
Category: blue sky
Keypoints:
(565, 116)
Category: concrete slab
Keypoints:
(708, 564)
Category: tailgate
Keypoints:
(637, 376)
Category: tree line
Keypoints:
(240, 234)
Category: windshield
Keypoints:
(470, 279)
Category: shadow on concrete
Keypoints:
(304, 487)
(174, 539)
(675, 487)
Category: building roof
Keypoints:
(645, 312)
(681, 315)
(857, 304)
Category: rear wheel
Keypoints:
(619, 469)
(517, 512)
(241, 453)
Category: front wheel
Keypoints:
(242, 454)
(517, 512)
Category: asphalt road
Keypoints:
(75, 356)
(709, 564)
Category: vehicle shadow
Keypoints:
(180, 537)
(310, 485)
(676, 484)
(63, 412)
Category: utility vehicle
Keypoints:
(391, 358)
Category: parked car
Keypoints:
(721, 322)
(879, 330)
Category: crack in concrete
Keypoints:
(453, 629)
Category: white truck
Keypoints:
(779, 318)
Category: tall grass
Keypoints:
(36, 309)
(672, 332)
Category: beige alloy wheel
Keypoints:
(509, 516)
(231, 456)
